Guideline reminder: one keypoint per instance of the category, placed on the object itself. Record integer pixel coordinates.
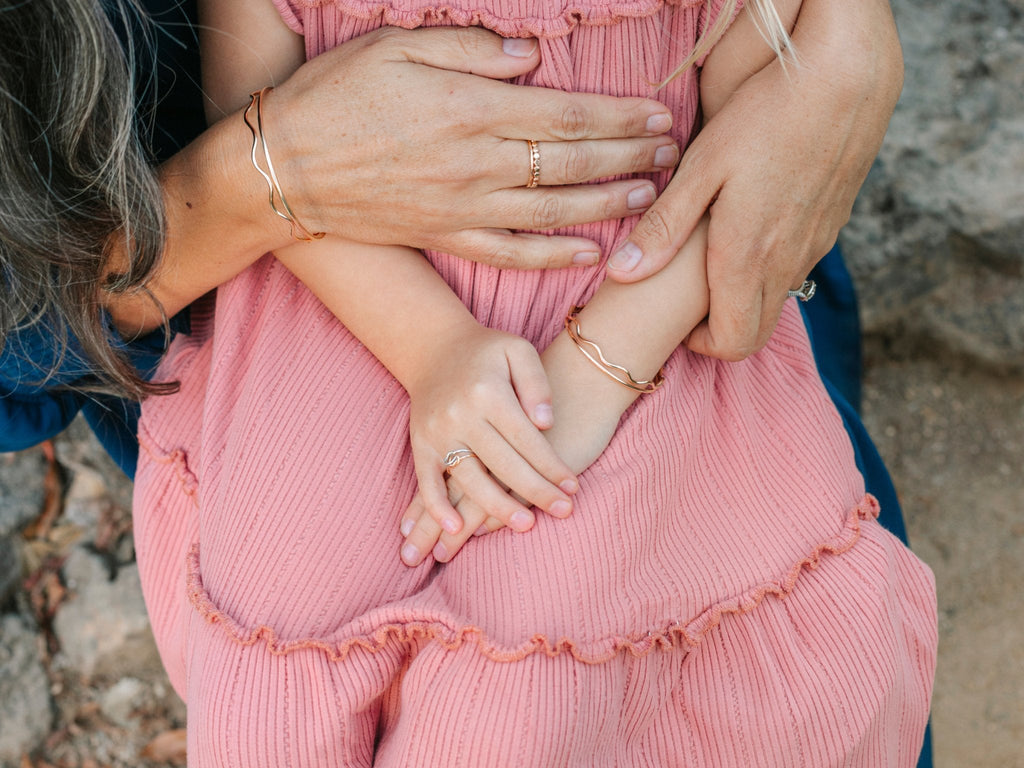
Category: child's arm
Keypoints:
(660, 310)
(469, 385)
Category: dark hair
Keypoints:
(78, 194)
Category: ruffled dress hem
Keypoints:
(379, 629)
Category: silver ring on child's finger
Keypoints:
(534, 179)
(805, 292)
(452, 459)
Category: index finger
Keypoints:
(524, 112)
(545, 114)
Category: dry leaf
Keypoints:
(168, 747)
(53, 503)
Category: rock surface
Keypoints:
(26, 711)
(936, 243)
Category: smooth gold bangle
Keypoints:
(299, 232)
(593, 353)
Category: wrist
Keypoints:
(577, 384)
(416, 365)
(215, 174)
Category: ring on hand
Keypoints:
(534, 164)
(452, 459)
(805, 292)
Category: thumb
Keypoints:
(531, 385)
(668, 223)
(473, 50)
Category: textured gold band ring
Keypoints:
(534, 164)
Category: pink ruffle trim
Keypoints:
(686, 634)
(558, 24)
(176, 459)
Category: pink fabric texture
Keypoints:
(721, 596)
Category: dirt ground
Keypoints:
(953, 438)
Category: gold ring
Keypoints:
(534, 164)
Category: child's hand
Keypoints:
(424, 536)
(488, 396)
(589, 407)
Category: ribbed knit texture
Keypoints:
(721, 596)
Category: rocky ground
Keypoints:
(937, 250)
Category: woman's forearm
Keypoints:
(218, 223)
(856, 46)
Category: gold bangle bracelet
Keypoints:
(593, 353)
(299, 232)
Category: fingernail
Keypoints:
(410, 555)
(480, 531)
(561, 508)
(569, 486)
(626, 258)
(523, 48)
(666, 157)
(440, 552)
(407, 526)
(450, 525)
(543, 415)
(586, 258)
(659, 123)
(521, 521)
(640, 198)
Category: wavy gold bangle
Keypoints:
(299, 232)
(593, 353)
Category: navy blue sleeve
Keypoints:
(33, 405)
(37, 399)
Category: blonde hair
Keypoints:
(765, 18)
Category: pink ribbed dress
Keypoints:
(721, 596)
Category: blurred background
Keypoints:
(936, 246)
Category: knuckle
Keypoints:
(546, 213)
(579, 163)
(576, 122)
(612, 206)
(468, 44)
(479, 391)
(654, 227)
(642, 157)
(502, 258)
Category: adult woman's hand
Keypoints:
(400, 136)
(778, 167)
(430, 154)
